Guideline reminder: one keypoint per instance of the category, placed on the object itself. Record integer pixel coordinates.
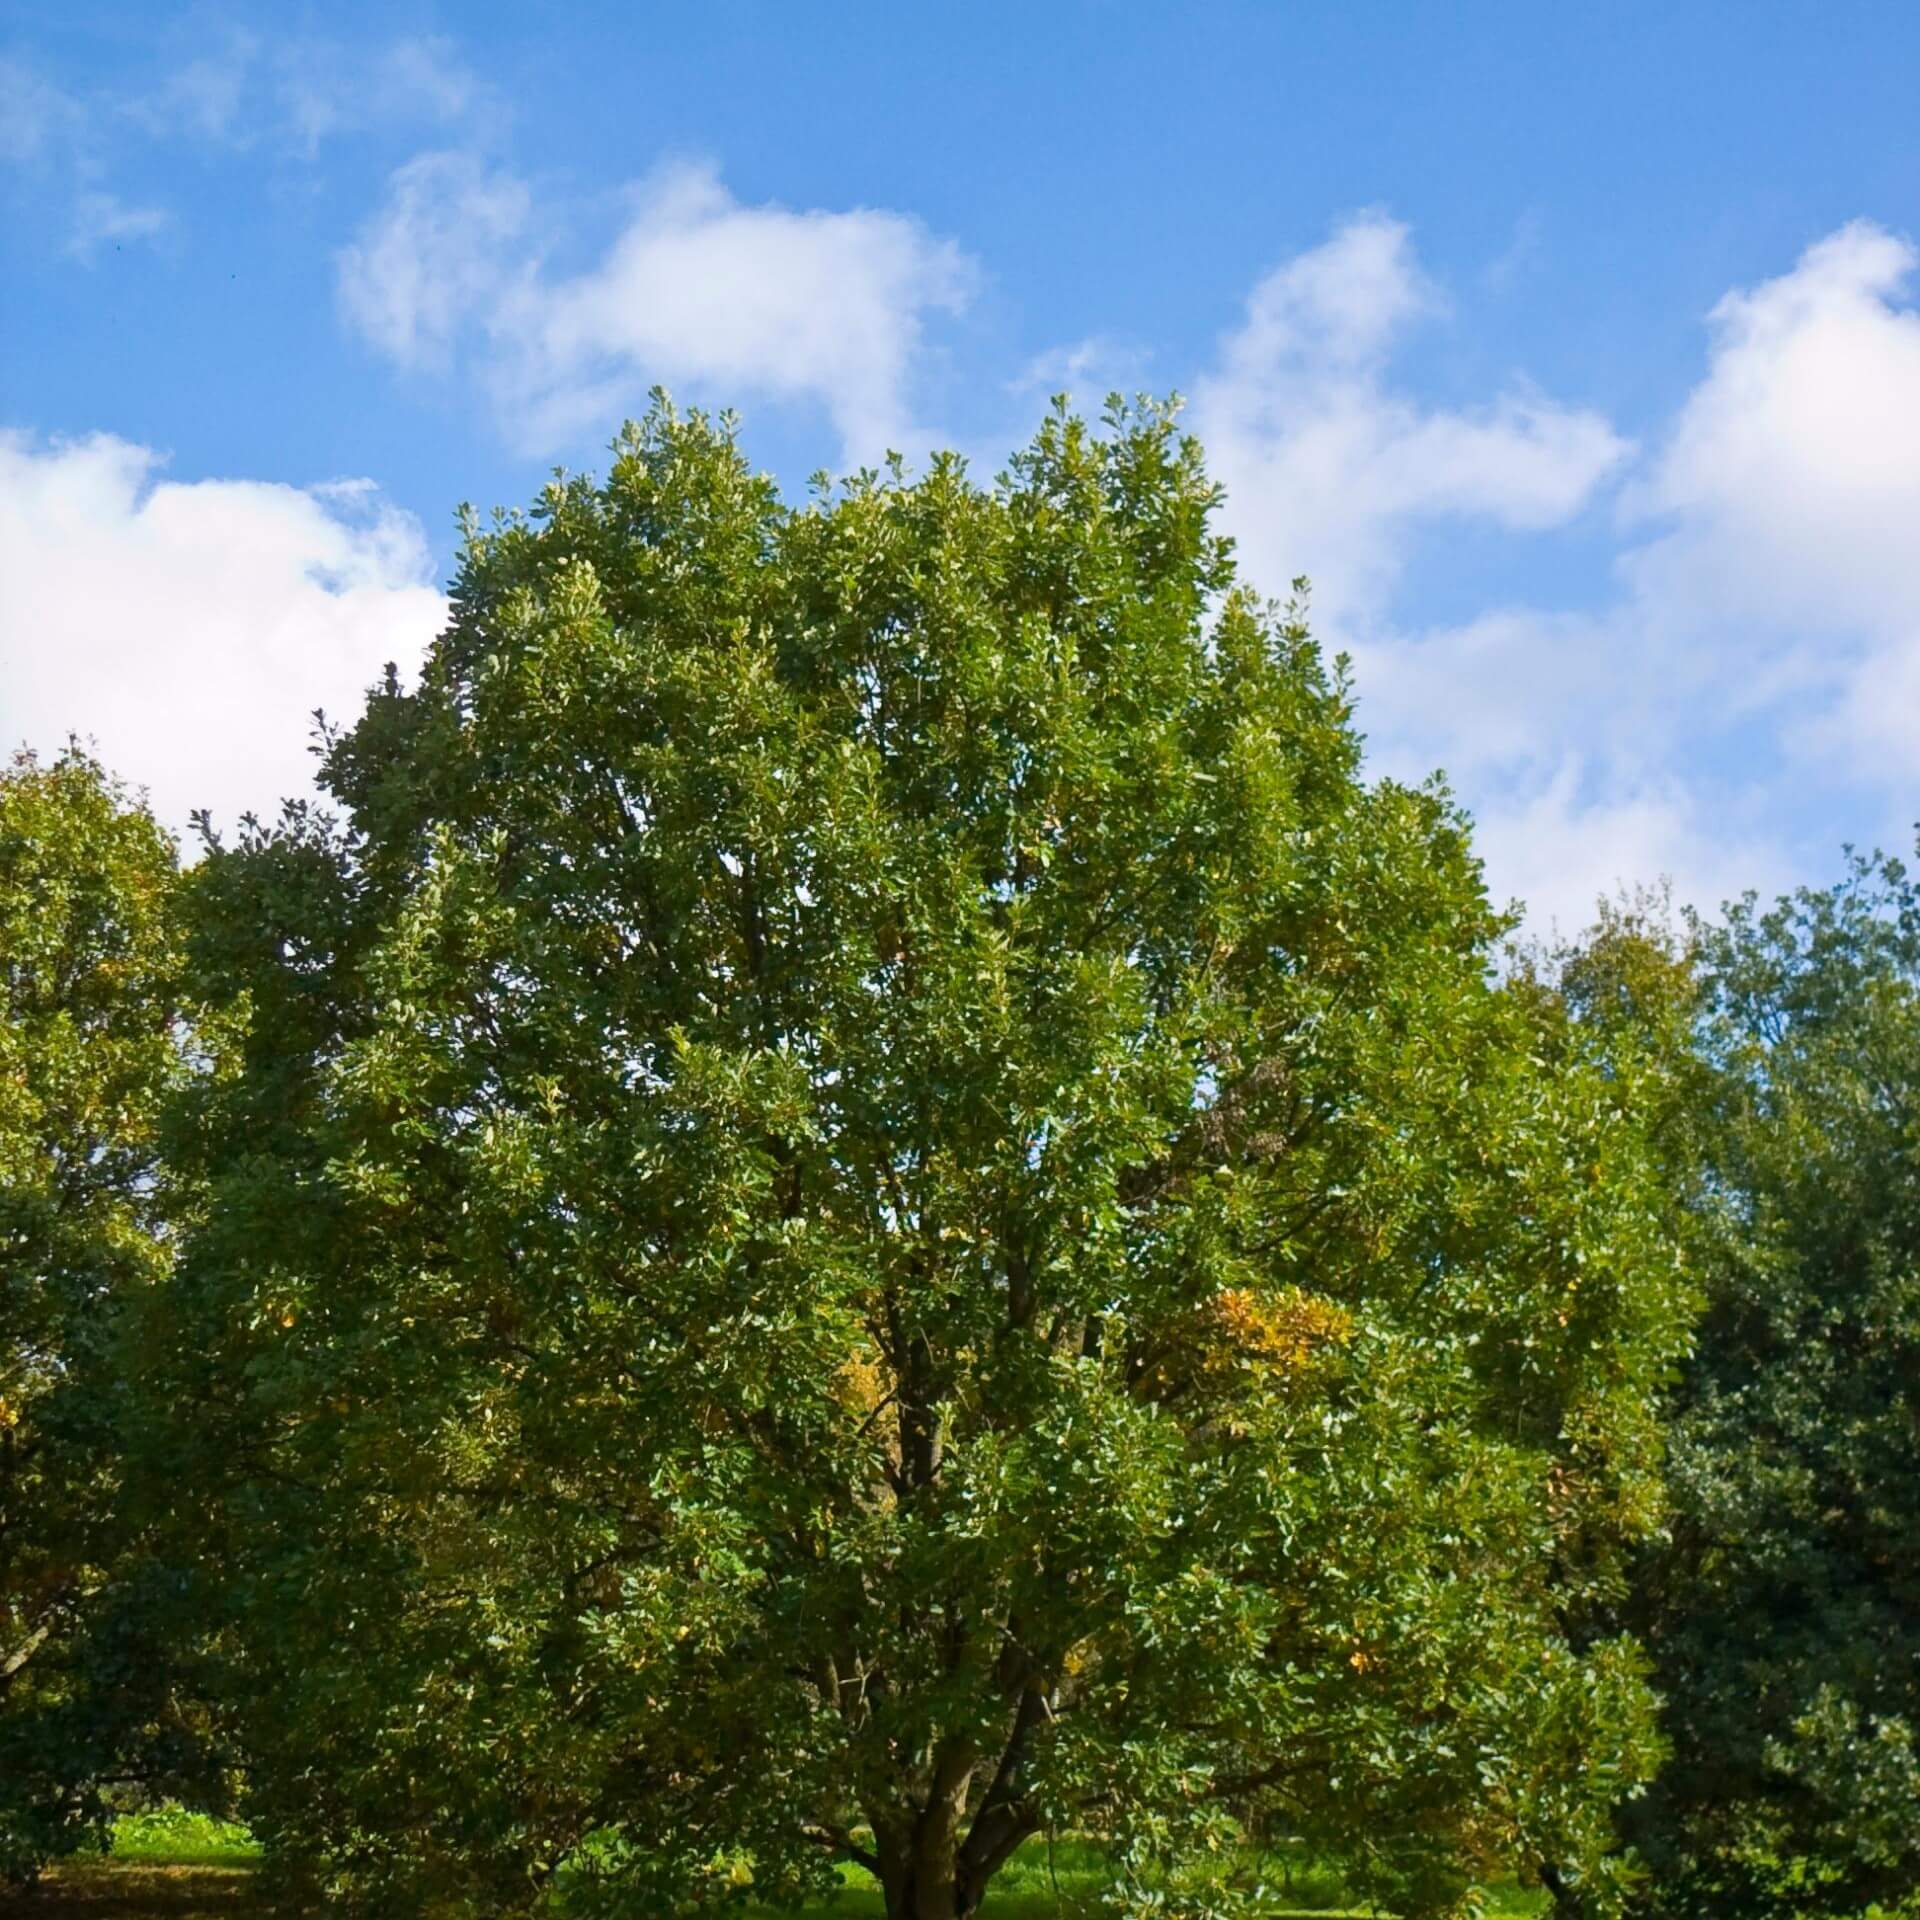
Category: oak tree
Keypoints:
(873, 1204)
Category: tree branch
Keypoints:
(1212, 1135)
(839, 1840)
(25, 1651)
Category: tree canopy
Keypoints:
(869, 1203)
(1783, 1609)
(90, 983)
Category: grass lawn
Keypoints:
(133, 1890)
(164, 1866)
(173, 1866)
(129, 1890)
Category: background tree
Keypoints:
(1783, 1611)
(90, 958)
(873, 1205)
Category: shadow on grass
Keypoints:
(128, 1890)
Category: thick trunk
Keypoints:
(920, 1852)
(927, 1872)
(990, 1845)
(918, 1883)
(933, 1862)
(908, 1899)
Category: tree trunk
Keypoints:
(998, 1834)
(918, 1885)
(920, 1853)
(928, 1873)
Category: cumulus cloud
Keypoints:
(1796, 452)
(1563, 837)
(1568, 742)
(1485, 694)
(1327, 464)
(1783, 513)
(696, 288)
(189, 629)
(1755, 677)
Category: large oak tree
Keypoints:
(873, 1204)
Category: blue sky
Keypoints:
(1570, 351)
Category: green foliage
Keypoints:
(89, 980)
(873, 1206)
(179, 1837)
(1784, 1611)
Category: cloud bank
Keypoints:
(1763, 635)
(1750, 675)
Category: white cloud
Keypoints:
(1086, 372)
(52, 138)
(1751, 688)
(190, 629)
(300, 92)
(1491, 693)
(1792, 468)
(816, 306)
(239, 93)
(434, 258)
(1760, 691)
(203, 97)
(1567, 837)
(1786, 503)
(1572, 744)
(1873, 725)
(1327, 465)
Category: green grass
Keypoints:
(173, 1837)
(166, 1865)
(1064, 1882)
(171, 1865)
